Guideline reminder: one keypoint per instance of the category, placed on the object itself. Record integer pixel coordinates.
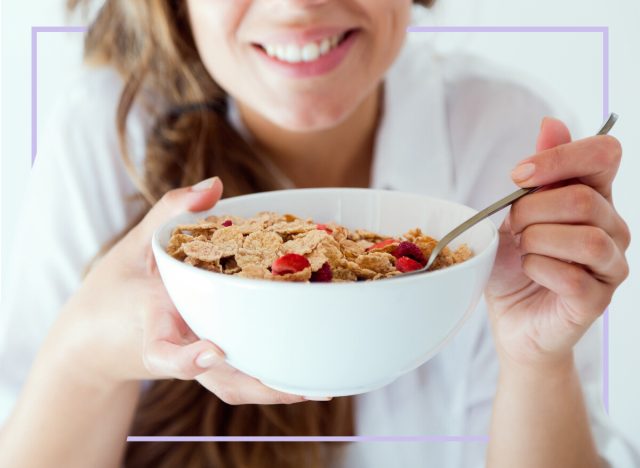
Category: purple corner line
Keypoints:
(34, 76)
(434, 438)
(511, 29)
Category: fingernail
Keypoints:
(204, 185)
(523, 172)
(544, 121)
(207, 359)
(315, 398)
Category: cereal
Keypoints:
(288, 248)
(262, 240)
(359, 271)
(254, 271)
(302, 276)
(327, 250)
(378, 262)
(304, 244)
(387, 245)
(292, 227)
(175, 246)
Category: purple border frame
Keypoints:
(604, 30)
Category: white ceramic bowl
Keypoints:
(333, 339)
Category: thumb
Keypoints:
(199, 197)
(553, 132)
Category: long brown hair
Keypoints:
(149, 42)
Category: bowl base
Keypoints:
(333, 392)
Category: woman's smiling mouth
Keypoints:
(308, 54)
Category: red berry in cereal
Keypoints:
(323, 275)
(289, 263)
(324, 227)
(227, 223)
(382, 244)
(411, 250)
(406, 264)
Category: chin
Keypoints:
(311, 118)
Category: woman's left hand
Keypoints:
(562, 249)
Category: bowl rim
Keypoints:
(259, 283)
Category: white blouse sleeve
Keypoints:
(74, 203)
(479, 107)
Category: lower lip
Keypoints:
(321, 66)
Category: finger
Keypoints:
(166, 359)
(199, 197)
(585, 245)
(236, 388)
(553, 132)
(571, 204)
(585, 297)
(593, 161)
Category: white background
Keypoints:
(565, 67)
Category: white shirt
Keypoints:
(451, 128)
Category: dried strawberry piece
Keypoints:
(323, 275)
(382, 244)
(411, 250)
(289, 263)
(227, 223)
(406, 264)
(323, 227)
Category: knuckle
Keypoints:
(598, 244)
(279, 398)
(554, 161)
(229, 396)
(528, 239)
(575, 282)
(170, 197)
(625, 234)
(624, 271)
(284, 398)
(517, 216)
(182, 370)
(583, 200)
(150, 364)
(610, 149)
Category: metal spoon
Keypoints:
(497, 206)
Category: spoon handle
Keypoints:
(495, 207)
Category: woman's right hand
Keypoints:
(121, 324)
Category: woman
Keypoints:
(300, 93)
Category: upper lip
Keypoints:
(301, 36)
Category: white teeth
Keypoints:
(325, 45)
(310, 52)
(294, 53)
(271, 50)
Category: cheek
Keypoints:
(214, 24)
(390, 20)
